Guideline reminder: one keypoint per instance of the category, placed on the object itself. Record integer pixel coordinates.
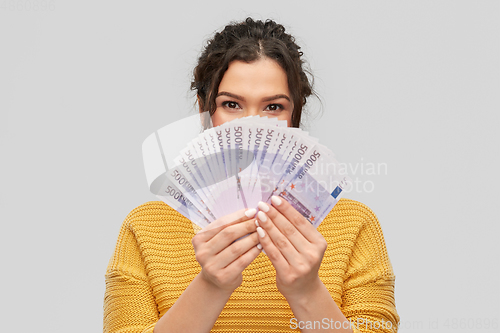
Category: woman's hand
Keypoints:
(220, 252)
(223, 257)
(294, 247)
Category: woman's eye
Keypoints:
(274, 107)
(231, 105)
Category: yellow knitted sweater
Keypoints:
(154, 262)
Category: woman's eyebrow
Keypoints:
(270, 98)
(225, 93)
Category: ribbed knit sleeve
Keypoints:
(129, 304)
(368, 282)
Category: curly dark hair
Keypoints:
(249, 41)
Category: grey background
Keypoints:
(412, 85)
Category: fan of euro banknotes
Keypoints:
(207, 172)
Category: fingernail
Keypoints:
(257, 223)
(261, 232)
(262, 216)
(264, 252)
(259, 246)
(251, 212)
(276, 200)
(263, 206)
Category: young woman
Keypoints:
(165, 278)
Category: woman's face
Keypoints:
(251, 89)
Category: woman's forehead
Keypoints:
(263, 77)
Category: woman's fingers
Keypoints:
(230, 277)
(229, 234)
(215, 227)
(290, 235)
(305, 228)
(236, 217)
(235, 255)
(284, 226)
(245, 259)
(278, 248)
